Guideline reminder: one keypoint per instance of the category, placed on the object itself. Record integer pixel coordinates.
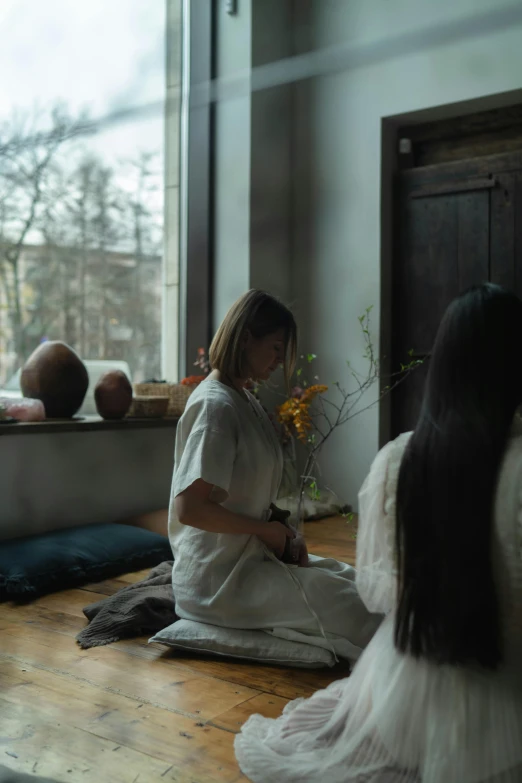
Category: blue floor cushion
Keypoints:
(74, 557)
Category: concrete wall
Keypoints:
(298, 168)
(51, 481)
(232, 163)
(271, 154)
(252, 194)
(337, 176)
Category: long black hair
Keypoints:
(448, 607)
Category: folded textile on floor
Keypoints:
(141, 609)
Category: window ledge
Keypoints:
(83, 424)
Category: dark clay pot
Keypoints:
(56, 375)
(113, 395)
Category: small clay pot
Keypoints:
(56, 375)
(113, 395)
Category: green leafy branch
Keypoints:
(327, 414)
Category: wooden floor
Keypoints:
(132, 712)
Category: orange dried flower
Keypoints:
(312, 392)
(193, 380)
(294, 413)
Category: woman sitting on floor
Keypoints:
(437, 695)
(224, 529)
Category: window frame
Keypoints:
(196, 183)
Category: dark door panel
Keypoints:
(443, 247)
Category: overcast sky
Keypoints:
(97, 55)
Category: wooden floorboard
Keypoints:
(133, 712)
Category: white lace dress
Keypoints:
(397, 719)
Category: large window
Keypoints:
(82, 100)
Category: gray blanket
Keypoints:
(143, 608)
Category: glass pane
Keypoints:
(82, 180)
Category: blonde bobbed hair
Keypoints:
(259, 314)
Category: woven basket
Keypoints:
(177, 394)
(149, 406)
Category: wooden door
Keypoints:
(457, 225)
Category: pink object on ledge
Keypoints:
(22, 410)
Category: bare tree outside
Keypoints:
(80, 246)
(82, 180)
(25, 170)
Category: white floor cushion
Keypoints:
(258, 646)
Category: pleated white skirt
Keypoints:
(394, 720)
